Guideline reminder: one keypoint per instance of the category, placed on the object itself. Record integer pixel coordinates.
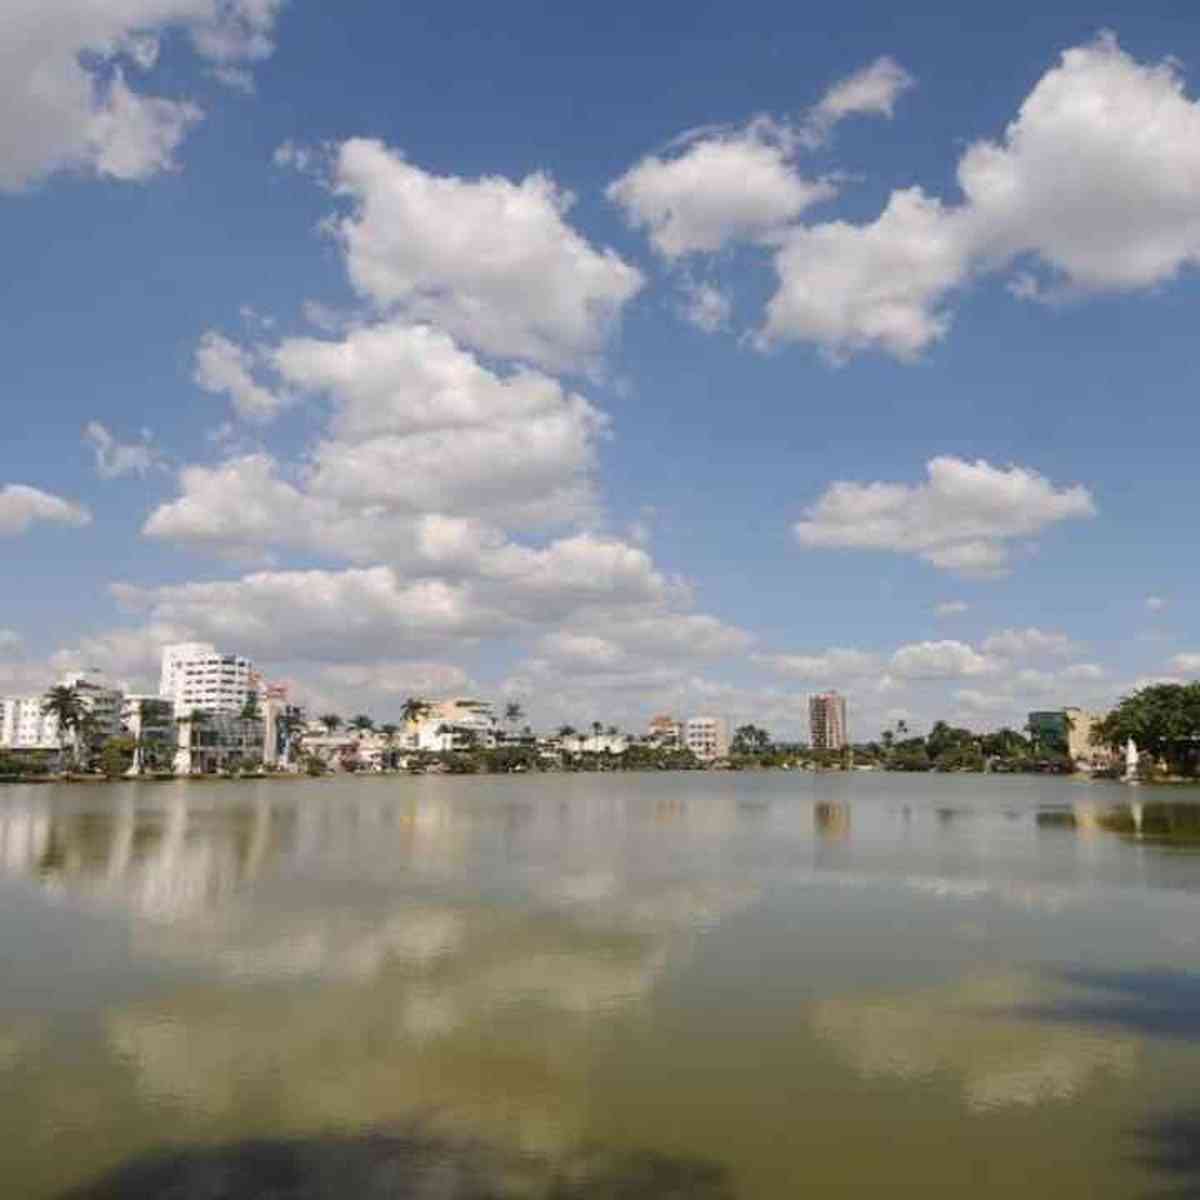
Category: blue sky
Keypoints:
(613, 362)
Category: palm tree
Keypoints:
(513, 712)
(64, 703)
(566, 731)
(413, 709)
(597, 728)
(362, 723)
(389, 732)
(331, 721)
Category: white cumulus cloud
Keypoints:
(225, 368)
(726, 187)
(492, 262)
(961, 519)
(871, 91)
(719, 185)
(941, 660)
(1095, 186)
(65, 102)
(21, 506)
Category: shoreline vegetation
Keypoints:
(1163, 720)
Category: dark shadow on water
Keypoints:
(401, 1166)
(1153, 1003)
(1169, 1148)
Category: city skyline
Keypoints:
(698, 366)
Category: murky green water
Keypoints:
(786, 985)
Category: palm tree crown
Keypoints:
(414, 708)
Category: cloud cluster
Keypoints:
(428, 454)
(716, 186)
(1029, 643)
(1095, 185)
(65, 102)
(961, 519)
(115, 458)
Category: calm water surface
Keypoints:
(796, 985)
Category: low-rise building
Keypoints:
(665, 731)
(1069, 731)
(447, 725)
(594, 743)
(212, 742)
(1050, 731)
(706, 737)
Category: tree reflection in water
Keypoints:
(402, 1166)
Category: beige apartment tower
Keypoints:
(827, 721)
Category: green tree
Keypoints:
(750, 739)
(362, 723)
(65, 704)
(1164, 721)
(116, 756)
(514, 714)
(331, 721)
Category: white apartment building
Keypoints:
(453, 725)
(706, 737)
(195, 675)
(23, 726)
(595, 743)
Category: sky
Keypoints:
(614, 362)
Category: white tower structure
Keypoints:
(196, 675)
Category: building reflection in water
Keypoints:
(832, 821)
(376, 970)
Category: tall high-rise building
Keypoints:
(195, 675)
(827, 721)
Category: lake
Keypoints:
(764, 985)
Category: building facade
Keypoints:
(101, 703)
(1069, 731)
(827, 721)
(220, 741)
(150, 721)
(196, 676)
(706, 737)
(462, 724)
(665, 731)
(23, 725)
(1050, 731)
